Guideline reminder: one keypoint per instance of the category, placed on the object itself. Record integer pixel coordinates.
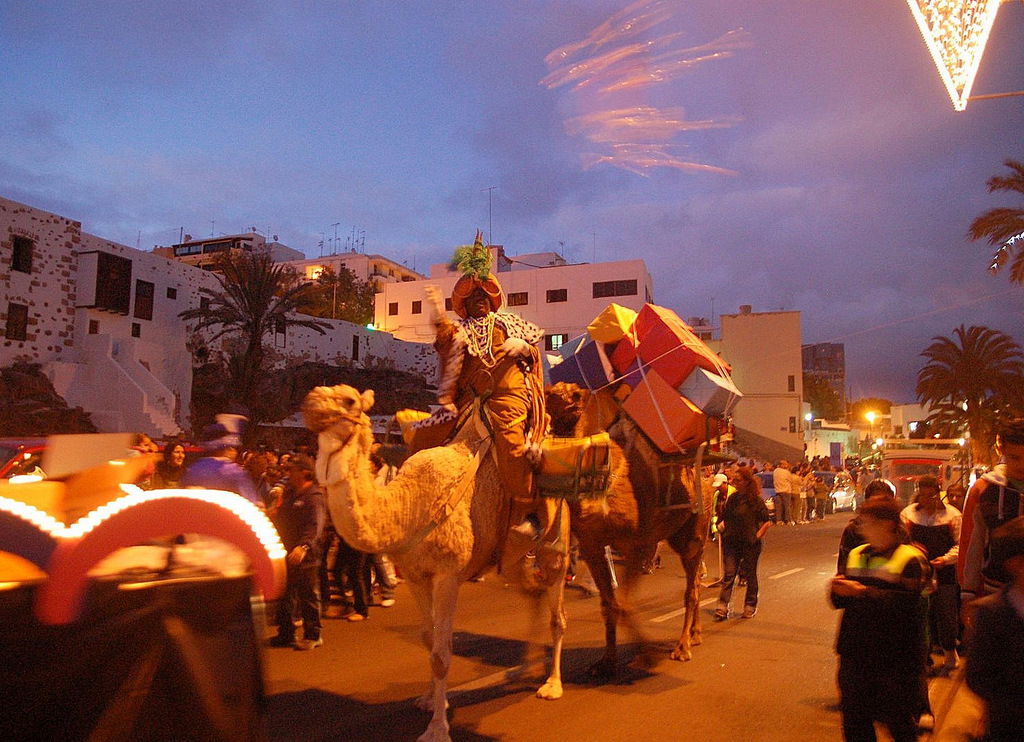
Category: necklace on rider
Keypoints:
(479, 338)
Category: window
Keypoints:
(280, 326)
(792, 424)
(557, 295)
(144, 291)
(136, 330)
(172, 293)
(519, 299)
(204, 302)
(113, 283)
(94, 327)
(448, 305)
(791, 383)
(17, 322)
(355, 347)
(554, 342)
(21, 259)
(417, 307)
(392, 308)
(603, 289)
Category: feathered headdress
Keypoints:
(474, 262)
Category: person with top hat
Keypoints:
(492, 357)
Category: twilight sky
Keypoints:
(841, 183)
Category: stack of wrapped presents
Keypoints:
(671, 384)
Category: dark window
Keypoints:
(554, 342)
(792, 425)
(144, 291)
(279, 325)
(204, 302)
(172, 293)
(519, 299)
(94, 327)
(113, 283)
(392, 308)
(557, 295)
(791, 383)
(603, 289)
(17, 322)
(136, 330)
(448, 305)
(21, 260)
(417, 307)
(355, 347)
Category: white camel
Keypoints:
(442, 519)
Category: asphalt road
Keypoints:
(768, 678)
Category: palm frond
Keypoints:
(472, 260)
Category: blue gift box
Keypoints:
(584, 363)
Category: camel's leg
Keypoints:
(445, 594)
(601, 571)
(422, 594)
(690, 548)
(636, 567)
(555, 565)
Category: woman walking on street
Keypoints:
(743, 524)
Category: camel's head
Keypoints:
(340, 408)
(565, 403)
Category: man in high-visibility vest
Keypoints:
(881, 643)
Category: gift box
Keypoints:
(670, 346)
(611, 325)
(586, 364)
(714, 394)
(670, 420)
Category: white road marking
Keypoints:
(787, 573)
(680, 611)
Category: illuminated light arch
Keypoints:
(140, 516)
(956, 32)
(28, 532)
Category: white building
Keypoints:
(375, 269)
(102, 321)
(764, 351)
(543, 288)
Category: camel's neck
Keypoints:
(365, 513)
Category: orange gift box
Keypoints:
(669, 419)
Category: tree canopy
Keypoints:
(1003, 227)
(972, 381)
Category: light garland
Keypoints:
(956, 32)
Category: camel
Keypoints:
(442, 519)
(631, 520)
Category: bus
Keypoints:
(906, 460)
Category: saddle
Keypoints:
(574, 468)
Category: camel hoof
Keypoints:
(551, 690)
(681, 655)
(603, 668)
(437, 731)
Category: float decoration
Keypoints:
(64, 528)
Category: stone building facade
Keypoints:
(101, 319)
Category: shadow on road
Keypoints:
(312, 715)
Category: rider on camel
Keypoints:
(492, 357)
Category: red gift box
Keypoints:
(670, 420)
(669, 345)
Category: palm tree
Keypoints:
(1004, 227)
(257, 297)
(972, 381)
